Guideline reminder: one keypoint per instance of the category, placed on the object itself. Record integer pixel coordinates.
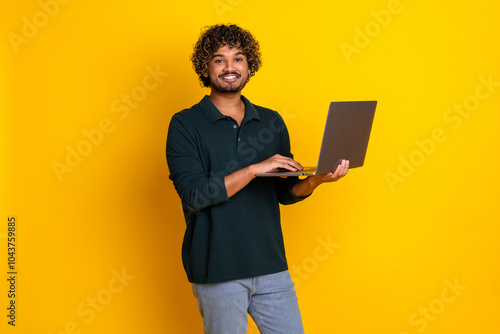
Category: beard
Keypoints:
(229, 87)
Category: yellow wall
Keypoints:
(407, 244)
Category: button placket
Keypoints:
(238, 135)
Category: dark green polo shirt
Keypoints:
(237, 237)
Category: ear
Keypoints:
(205, 73)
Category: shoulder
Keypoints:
(267, 114)
(266, 111)
(188, 117)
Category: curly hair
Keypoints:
(216, 36)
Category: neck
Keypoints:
(229, 104)
(226, 101)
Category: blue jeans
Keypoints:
(270, 300)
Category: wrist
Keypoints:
(250, 171)
(313, 181)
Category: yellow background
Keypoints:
(397, 235)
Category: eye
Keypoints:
(218, 61)
(238, 59)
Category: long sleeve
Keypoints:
(196, 188)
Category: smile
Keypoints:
(231, 76)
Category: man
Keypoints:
(233, 250)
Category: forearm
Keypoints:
(304, 187)
(238, 180)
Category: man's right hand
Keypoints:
(275, 162)
(237, 180)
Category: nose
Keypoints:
(229, 66)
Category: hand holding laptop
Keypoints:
(341, 171)
(282, 164)
(346, 135)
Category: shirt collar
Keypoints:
(214, 114)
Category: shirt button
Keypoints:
(235, 126)
(239, 139)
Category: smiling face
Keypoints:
(228, 70)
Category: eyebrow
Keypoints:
(236, 54)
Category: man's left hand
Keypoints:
(306, 186)
(341, 171)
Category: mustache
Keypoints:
(229, 73)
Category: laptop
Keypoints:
(347, 131)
